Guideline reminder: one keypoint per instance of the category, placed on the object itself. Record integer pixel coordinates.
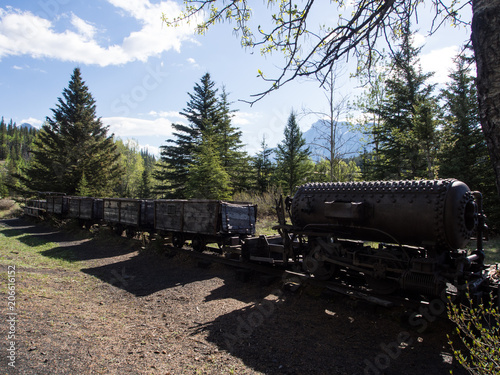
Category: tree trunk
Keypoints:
(486, 43)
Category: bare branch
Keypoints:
(371, 22)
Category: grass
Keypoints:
(21, 250)
(492, 250)
(9, 208)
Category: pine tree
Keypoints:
(71, 145)
(406, 136)
(292, 156)
(227, 139)
(145, 186)
(464, 154)
(263, 167)
(83, 189)
(209, 117)
(202, 112)
(207, 178)
(464, 148)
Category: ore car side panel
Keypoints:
(187, 216)
(122, 211)
(238, 218)
(81, 208)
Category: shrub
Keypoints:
(478, 328)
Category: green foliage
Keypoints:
(177, 155)
(207, 178)
(264, 168)
(292, 157)
(478, 329)
(132, 165)
(464, 153)
(311, 41)
(209, 117)
(15, 143)
(84, 189)
(145, 185)
(405, 139)
(234, 160)
(71, 144)
(345, 170)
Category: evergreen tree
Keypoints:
(227, 139)
(3, 140)
(207, 178)
(263, 167)
(292, 157)
(71, 145)
(406, 138)
(202, 112)
(145, 186)
(464, 153)
(83, 188)
(14, 146)
(209, 117)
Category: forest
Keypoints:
(412, 130)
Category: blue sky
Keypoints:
(140, 71)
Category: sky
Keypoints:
(140, 71)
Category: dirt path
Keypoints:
(130, 312)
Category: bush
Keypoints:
(266, 202)
(478, 328)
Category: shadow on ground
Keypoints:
(304, 334)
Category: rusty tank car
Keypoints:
(405, 235)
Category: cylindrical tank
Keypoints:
(421, 213)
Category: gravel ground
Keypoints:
(144, 312)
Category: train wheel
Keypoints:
(198, 244)
(178, 240)
(315, 264)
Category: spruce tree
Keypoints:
(176, 157)
(292, 156)
(210, 117)
(464, 150)
(405, 138)
(464, 153)
(227, 140)
(145, 186)
(207, 178)
(263, 167)
(73, 151)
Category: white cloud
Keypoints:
(440, 61)
(418, 40)
(23, 33)
(84, 28)
(169, 114)
(32, 121)
(134, 127)
(245, 118)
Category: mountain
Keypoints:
(349, 143)
(26, 125)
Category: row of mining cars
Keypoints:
(200, 221)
